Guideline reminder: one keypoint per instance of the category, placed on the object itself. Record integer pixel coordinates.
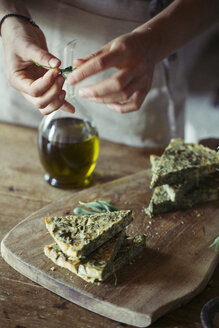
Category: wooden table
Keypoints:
(23, 191)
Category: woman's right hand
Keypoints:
(22, 43)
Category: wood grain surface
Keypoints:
(23, 191)
(175, 267)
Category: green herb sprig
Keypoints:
(215, 243)
(66, 71)
(97, 206)
(63, 71)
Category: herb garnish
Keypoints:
(64, 71)
(97, 206)
(215, 243)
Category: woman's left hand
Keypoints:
(125, 90)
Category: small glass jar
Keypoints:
(68, 149)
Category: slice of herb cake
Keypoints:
(181, 162)
(98, 265)
(79, 235)
(94, 265)
(131, 247)
(175, 191)
(161, 201)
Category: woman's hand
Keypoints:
(43, 88)
(135, 54)
(125, 90)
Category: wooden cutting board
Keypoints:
(176, 265)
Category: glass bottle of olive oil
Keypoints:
(68, 149)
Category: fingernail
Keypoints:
(53, 62)
(84, 93)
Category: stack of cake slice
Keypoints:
(93, 246)
(184, 175)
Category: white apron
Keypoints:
(94, 23)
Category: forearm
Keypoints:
(178, 24)
(12, 7)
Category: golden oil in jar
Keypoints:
(68, 149)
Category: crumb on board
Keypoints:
(197, 213)
(52, 268)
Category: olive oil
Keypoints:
(68, 150)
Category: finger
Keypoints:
(79, 61)
(24, 83)
(132, 105)
(49, 96)
(58, 103)
(94, 66)
(39, 55)
(44, 83)
(119, 87)
(125, 94)
(67, 107)
(114, 84)
(53, 105)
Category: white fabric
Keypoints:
(62, 21)
(130, 10)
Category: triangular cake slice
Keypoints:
(175, 191)
(96, 267)
(161, 202)
(78, 236)
(154, 160)
(182, 161)
(179, 190)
